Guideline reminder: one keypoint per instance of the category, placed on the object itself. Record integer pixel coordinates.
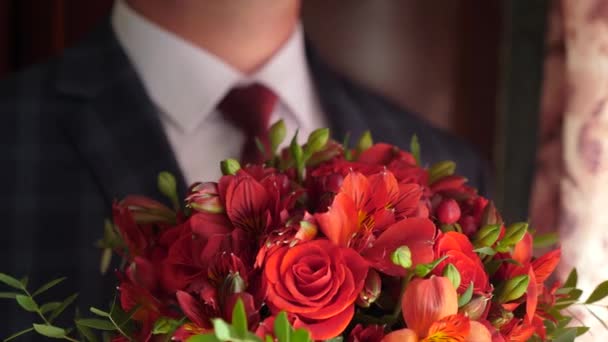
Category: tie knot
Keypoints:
(249, 108)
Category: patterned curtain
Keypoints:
(570, 192)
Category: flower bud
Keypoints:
(168, 187)
(365, 141)
(491, 215)
(402, 256)
(476, 308)
(230, 166)
(514, 233)
(306, 232)
(514, 288)
(317, 141)
(504, 318)
(277, 134)
(451, 272)
(448, 211)
(440, 170)
(487, 236)
(371, 290)
(204, 197)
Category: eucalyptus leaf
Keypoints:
(48, 286)
(9, 295)
(27, 303)
(572, 279)
(10, 281)
(49, 307)
(66, 302)
(49, 330)
(600, 292)
(96, 323)
(18, 333)
(86, 333)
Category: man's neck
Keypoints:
(244, 34)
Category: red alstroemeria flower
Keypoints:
(365, 221)
(247, 202)
(430, 311)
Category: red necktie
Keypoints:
(249, 109)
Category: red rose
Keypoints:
(318, 282)
(459, 252)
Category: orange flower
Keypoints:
(430, 310)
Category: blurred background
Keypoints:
(446, 60)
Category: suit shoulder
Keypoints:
(30, 83)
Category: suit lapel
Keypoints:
(113, 125)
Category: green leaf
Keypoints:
(300, 335)
(572, 279)
(10, 281)
(95, 323)
(18, 333)
(277, 134)
(239, 319)
(167, 185)
(106, 260)
(422, 270)
(465, 298)
(204, 338)
(568, 335)
(223, 331)
(165, 325)
(365, 142)
(282, 329)
(66, 302)
(9, 295)
(451, 272)
(485, 251)
(545, 240)
(99, 312)
(27, 303)
(600, 292)
(581, 330)
(86, 333)
(48, 285)
(49, 307)
(415, 149)
(49, 330)
(335, 339)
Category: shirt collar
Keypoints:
(187, 82)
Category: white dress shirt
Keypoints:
(186, 83)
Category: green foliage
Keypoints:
(465, 298)
(600, 292)
(415, 149)
(167, 185)
(422, 270)
(238, 330)
(441, 170)
(46, 312)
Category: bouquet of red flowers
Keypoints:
(325, 242)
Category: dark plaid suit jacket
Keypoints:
(80, 131)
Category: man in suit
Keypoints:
(143, 94)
